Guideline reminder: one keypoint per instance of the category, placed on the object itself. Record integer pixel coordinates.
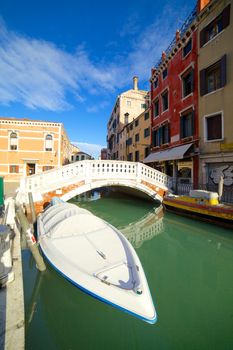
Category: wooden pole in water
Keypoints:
(32, 207)
(27, 231)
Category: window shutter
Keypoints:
(181, 127)
(223, 70)
(226, 16)
(202, 82)
(193, 122)
(159, 137)
(192, 80)
(202, 37)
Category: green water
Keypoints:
(189, 267)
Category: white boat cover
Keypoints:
(87, 249)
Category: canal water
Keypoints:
(189, 267)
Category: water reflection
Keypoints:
(144, 229)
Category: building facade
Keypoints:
(174, 107)
(215, 63)
(104, 153)
(129, 105)
(30, 147)
(137, 138)
(77, 156)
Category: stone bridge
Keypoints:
(76, 178)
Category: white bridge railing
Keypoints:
(92, 170)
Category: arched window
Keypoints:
(48, 142)
(13, 141)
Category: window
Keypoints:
(146, 132)
(147, 151)
(156, 108)
(213, 126)
(216, 26)
(13, 141)
(82, 157)
(129, 141)
(187, 81)
(128, 103)
(131, 126)
(48, 143)
(14, 169)
(143, 105)
(155, 138)
(136, 122)
(213, 77)
(136, 137)
(136, 156)
(165, 135)
(156, 83)
(165, 100)
(130, 157)
(187, 48)
(161, 136)
(146, 116)
(126, 118)
(164, 74)
(47, 167)
(187, 124)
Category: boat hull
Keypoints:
(116, 279)
(218, 214)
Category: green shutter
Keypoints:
(202, 82)
(193, 122)
(223, 70)
(226, 16)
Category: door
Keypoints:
(31, 169)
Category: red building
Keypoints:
(174, 104)
(104, 154)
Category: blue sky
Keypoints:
(67, 61)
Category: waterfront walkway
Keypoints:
(12, 335)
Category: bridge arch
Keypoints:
(80, 177)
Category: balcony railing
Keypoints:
(189, 20)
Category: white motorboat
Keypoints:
(95, 257)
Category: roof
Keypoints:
(169, 154)
(13, 119)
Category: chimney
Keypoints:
(135, 83)
(163, 55)
(177, 35)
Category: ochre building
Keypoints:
(30, 147)
(215, 62)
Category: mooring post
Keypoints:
(32, 207)
(27, 231)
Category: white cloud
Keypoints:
(39, 74)
(89, 148)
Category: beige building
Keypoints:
(137, 135)
(129, 105)
(30, 147)
(215, 63)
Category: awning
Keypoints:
(169, 154)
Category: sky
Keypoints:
(68, 60)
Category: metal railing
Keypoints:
(189, 20)
(183, 189)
